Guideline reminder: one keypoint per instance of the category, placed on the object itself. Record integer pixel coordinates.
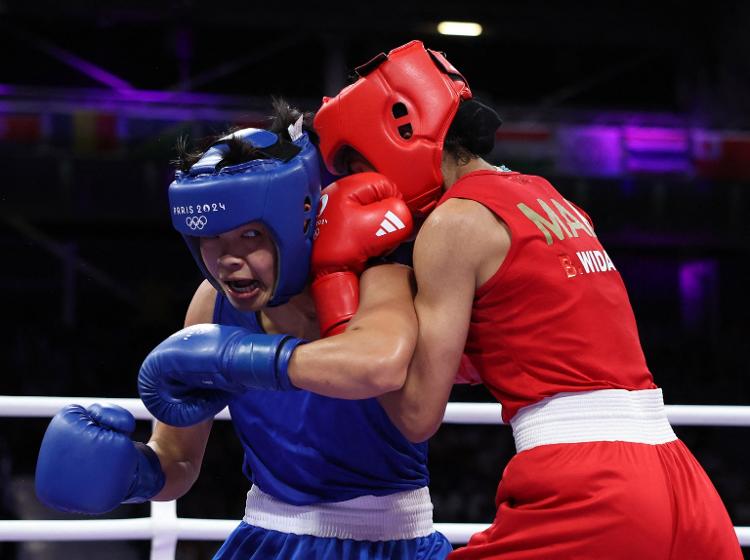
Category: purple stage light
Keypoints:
(644, 139)
(657, 150)
(594, 151)
(698, 291)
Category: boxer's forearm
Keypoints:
(180, 452)
(371, 357)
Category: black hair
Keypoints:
(282, 116)
(472, 132)
(285, 114)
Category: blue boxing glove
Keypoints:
(194, 373)
(88, 463)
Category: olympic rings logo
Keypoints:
(196, 222)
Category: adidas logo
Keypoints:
(390, 223)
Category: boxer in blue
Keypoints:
(331, 476)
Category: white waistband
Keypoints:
(404, 515)
(605, 415)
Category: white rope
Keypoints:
(47, 407)
(187, 528)
(743, 535)
(76, 529)
(456, 413)
(141, 528)
(164, 528)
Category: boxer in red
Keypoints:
(512, 274)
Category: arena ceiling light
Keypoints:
(464, 28)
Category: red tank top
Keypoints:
(555, 317)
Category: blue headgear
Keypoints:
(281, 191)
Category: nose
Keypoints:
(229, 261)
(229, 254)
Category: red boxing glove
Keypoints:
(361, 216)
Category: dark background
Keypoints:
(94, 94)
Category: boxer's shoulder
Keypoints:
(201, 308)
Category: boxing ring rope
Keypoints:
(163, 528)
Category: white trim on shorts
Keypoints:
(404, 515)
(604, 415)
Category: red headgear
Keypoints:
(396, 115)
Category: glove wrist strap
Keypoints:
(261, 361)
(148, 479)
(336, 299)
(286, 349)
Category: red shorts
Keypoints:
(606, 500)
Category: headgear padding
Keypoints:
(396, 116)
(281, 190)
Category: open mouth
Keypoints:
(243, 287)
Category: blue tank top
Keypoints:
(305, 448)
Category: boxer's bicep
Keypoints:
(445, 273)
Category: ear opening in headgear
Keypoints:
(308, 221)
(399, 110)
(405, 131)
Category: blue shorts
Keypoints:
(253, 543)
